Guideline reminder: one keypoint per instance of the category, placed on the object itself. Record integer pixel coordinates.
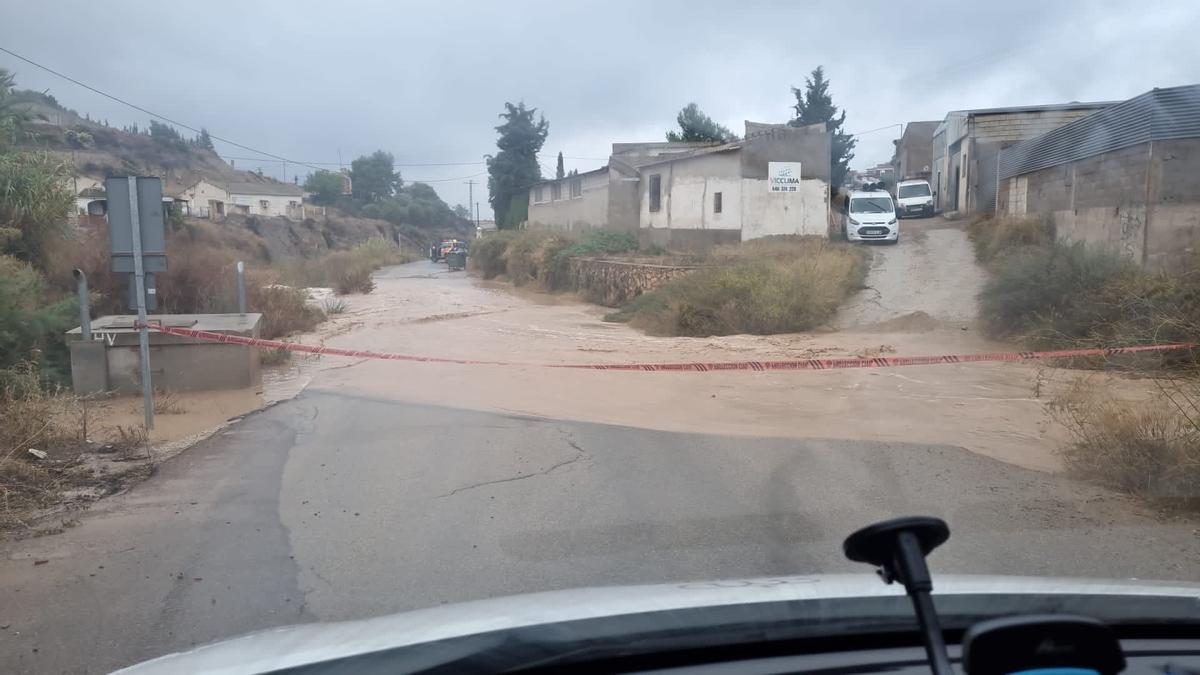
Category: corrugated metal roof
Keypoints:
(1156, 115)
(1044, 107)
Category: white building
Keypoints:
(689, 196)
(210, 199)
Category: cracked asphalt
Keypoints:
(335, 506)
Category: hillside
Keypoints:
(97, 151)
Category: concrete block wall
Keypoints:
(1011, 127)
(1048, 190)
(1143, 200)
(1174, 236)
(1113, 178)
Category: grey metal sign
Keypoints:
(120, 226)
(139, 246)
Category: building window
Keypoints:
(537, 194)
(555, 191)
(717, 202)
(263, 205)
(576, 188)
(655, 191)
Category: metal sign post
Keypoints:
(139, 281)
(138, 244)
(241, 287)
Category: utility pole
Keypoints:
(476, 215)
(471, 193)
(471, 198)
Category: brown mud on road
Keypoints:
(920, 300)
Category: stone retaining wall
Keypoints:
(616, 282)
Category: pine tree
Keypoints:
(695, 126)
(814, 105)
(559, 172)
(515, 167)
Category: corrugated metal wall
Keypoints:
(1158, 114)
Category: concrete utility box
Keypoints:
(109, 361)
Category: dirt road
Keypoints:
(386, 486)
(932, 273)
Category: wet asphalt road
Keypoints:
(332, 506)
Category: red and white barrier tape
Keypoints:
(797, 364)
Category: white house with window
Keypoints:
(583, 206)
(215, 200)
(689, 196)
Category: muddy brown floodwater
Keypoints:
(920, 300)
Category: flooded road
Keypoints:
(994, 409)
(382, 486)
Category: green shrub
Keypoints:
(601, 242)
(533, 256)
(1055, 295)
(488, 254)
(32, 326)
(778, 285)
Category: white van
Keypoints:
(914, 198)
(870, 215)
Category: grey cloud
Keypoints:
(426, 80)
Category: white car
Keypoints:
(914, 198)
(870, 216)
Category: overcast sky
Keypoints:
(425, 81)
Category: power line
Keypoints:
(871, 131)
(395, 164)
(444, 180)
(150, 112)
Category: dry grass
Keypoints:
(996, 237)
(335, 306)
(168, 403)
(285, 310)
(1149, 448)
(765, 286)
(274, 357)
(34, 418)
(344, 271)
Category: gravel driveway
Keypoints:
(932, 270)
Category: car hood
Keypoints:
(863, 597)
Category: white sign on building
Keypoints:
(783, 176)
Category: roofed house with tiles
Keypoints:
(215, 200)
